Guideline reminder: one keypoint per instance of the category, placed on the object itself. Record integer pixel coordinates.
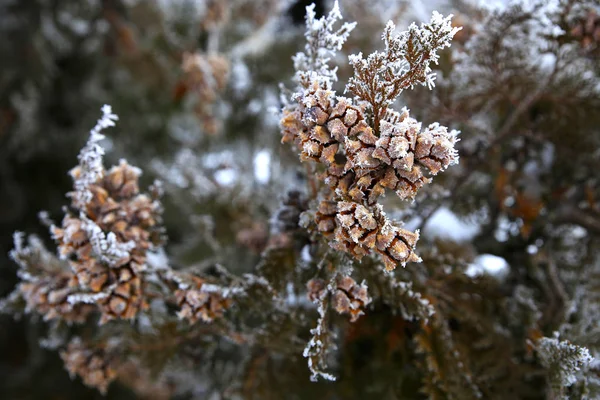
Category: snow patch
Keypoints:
(488, 264)
(445, 224)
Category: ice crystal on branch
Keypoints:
(383, 75)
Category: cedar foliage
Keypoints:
(254, 251)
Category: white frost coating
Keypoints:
(488, 264)
(90, 158)
(262, 166)
(444, 224)
(88, 298)
(106, 246)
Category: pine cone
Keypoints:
(356, 229)
(435, 148)
(125, 300)
(116, 208)
(316, 289)
(206, 75)
(314, 139)
(397, 141)
(396, 245)
(205, 303)
(325, 217)
(94, 366)
(395, 147)
(48, 297)
(360, 145)
(350, 297)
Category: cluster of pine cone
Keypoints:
(361, 162)
(120, 223)
(204, 301)
(348, 296)
(95, 366)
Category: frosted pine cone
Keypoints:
(356, 229)
(307, 125)
(205, 303)
(206, 75)
(325, 217)
(125, 299)
(108, 244)
(350, 297)
(435, 148)
(360, 145)
(395, 147)
(94, 366)
(396, 245)
(48, 297)
(397, 142)
(316, 289)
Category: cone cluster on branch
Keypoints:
(350, 297)
(47, 283)
(394, 159)
(358, 230)
(106, 243)
(95, 366)
(365, 147)
(48, 296)
(205, 302)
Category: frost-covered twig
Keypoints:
(90, 159)
(383, 75)
(320, 344)
(322, 42)
(563, 361)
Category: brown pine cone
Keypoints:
(117, 215)
(350, 297)
(396, 245)
(435, 148)
(125, 298)
(314, 139)
(205, 303)
(397, 141)
(405, 183)
(94, 366)
(316, 289)
(325, 217)
(48, 297)
(356, 229)
(587, 31)
(360, 146)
